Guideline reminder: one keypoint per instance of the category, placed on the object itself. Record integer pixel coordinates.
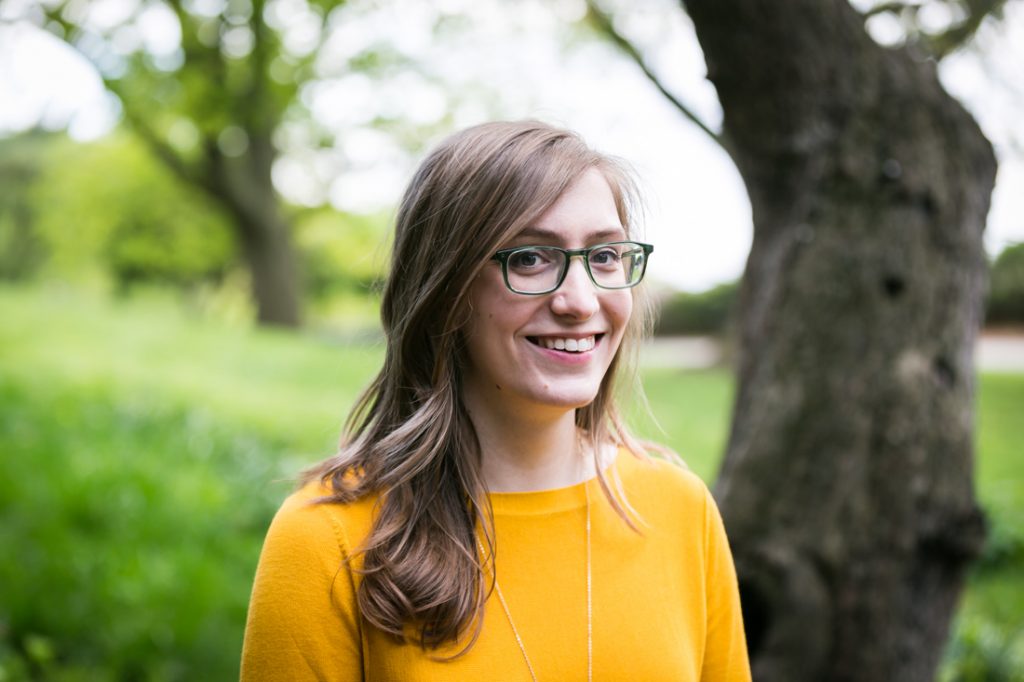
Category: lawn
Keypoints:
(145, 449)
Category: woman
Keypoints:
(489, 516)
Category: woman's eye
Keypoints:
(605, 257)
(528, 259)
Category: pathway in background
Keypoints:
(994, 353)
(1000, 353)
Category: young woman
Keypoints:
(489, 516)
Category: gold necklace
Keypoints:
(590, 610)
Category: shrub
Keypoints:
(708, 312)
(982, 651)
(110, 209)
(21, 249)
(130, 529)
(1005, 303)
(340, 252)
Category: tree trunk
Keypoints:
(847, 485)
(244, 186)
(267, 249)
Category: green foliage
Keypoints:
(144, 452)
(1006, 289)
(988, 634)
(21, 250)
(143, 457)
(109, 212)
(341, 252)
(1004, 545)
(108, 209)
(231, 69)
(141, 510)
(209, 95)
(708, 312)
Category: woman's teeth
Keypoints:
(571, 345)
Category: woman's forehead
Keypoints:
(585, 211)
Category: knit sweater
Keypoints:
(665, 600)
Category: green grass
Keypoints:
(142, 455)
(1000, 470)
(143, 451)
(691, 411)
(988, 645)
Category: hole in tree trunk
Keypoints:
(929, 204)
(944, 371)
(893, 285)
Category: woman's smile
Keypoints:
(569, 351)
(569, 344)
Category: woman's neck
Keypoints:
(520, 455)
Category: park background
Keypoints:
(149, 425)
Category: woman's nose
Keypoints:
(577, 297)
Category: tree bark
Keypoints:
(847, 484)
(244, 186)
(268, 252)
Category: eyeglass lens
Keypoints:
(537, 269)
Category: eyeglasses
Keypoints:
(535, 270)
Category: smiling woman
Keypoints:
(539, 356)
(489, 515)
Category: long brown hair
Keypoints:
(409, 439)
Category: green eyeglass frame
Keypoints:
(641, 250)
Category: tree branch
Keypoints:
(941, 43)
(604, 23)
(891, 8)
(193, 173)
(261, 115)
(959, 34)
(190, 173)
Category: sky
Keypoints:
(519, 62)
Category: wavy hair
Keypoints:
(409, 439)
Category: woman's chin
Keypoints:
(567, 399)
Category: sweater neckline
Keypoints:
(551, 500)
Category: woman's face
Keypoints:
(511, 338)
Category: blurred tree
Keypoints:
(332, 265)
(1006, 293)
(21, 250)
(206, 85)
(847, 483)
(706, 312)
(111, 209)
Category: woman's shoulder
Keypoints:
(309, 517)
(663, 479)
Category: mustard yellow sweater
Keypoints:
(665, 603)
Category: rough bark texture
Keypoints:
(847, 487)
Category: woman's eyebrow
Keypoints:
(553, 235)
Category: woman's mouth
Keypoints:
(566, 344)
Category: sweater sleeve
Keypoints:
(725, 652)
(303, 622)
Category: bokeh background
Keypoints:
(168, 364)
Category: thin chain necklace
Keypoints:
(590, 610)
